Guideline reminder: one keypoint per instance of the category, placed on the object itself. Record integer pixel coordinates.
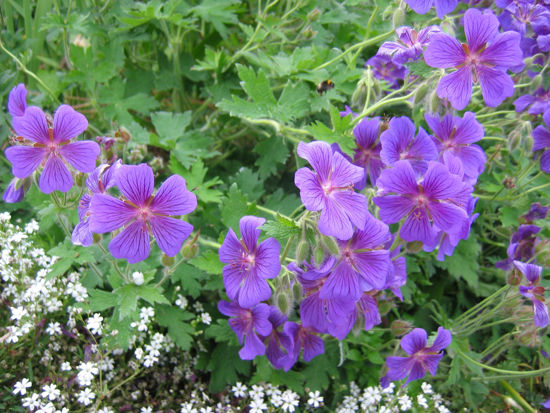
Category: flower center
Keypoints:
(144, 213)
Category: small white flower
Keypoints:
(206, 319)
(86, 396)
(65, 366)
(239, 389)
(256, 392)
(422, 402)
(257, 406)
(427, 388)
(94, 324)
(17, 313)
(181, 302)
(315, 399)
(106, 409)
(290, 401)
(405, 403)
(22, 386)
(147, 409)
(146, 313)
(137, 277)
(51, 392)
(138, 353)
(188, 408)
(32, 402)
(54, 329)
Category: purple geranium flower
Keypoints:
(275, 354)
(17, 100)
(483, 59)
(249, 264)
(367, 154)
(518, 14)
(15, 191)
(534, 292)
(384, 68)
(541, 141)
(538, 102)
(304, 338)
(421, 358)
(363, 264)
(98, 182)
(330, 189)
(442, 7)
(521, 247)
(50, 146)
(440, 198)
(410, 44)
(397, 277)
(537, 211)
(456, 135)
(248, 323)
(398, 143)
(141, 213)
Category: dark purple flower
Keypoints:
(330, 189)
(363, 264)
(249, 264)
(141, 213)
(14, 192)
(304, 338)
(518, 14)
(521, 247)
(456, 135)
(398, 143)
(410, 44)
(98, 182)
(278, 342)
(483, 59)
(384, 68)
(534, 292)
(436, 203)
(421, 358)
(347, 112)
(17, 101)
(541, 141)
(397, 277)
(51, 147)
(367, 154)
(248, 323)
(442, 7)
(537, 211)
(538, 102)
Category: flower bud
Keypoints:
(167, 261)
(284, 303)
(434, 102)
(331, 245)
(314, 15)
(401, 327)
(421, 93)
(318, 255)
(137, 277)
(398, 18)
(97, 238)
(302, 251)
(536, 82)
(414, 247)
(384, 307)
(297, 291)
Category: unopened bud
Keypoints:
(302, 250)
(384, 307)
(434, 102)
(190, 250)
(401, 327)
(421, 93)
(414, 246)
(514, 277)
(137, 277)
(166, 260)
(318, 255)
(331, 245)
(308, 33)
(283, 303)
(297, 291)
(536, 82)
(398, 17)
(314, 15)
(509, 182)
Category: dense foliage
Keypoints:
(274, 205)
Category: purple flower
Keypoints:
(440, 198)
(17, 100)
(521, 247)
(421, 358)
(247, 323)
(541, 141)
(518, 14)
(347, 112)
(275, 354)
(410, 44)
(303, 338)
(249, 264)
(538, 102)
(442, 7)
(537, 211)
(98, 182)
(456, 135)
(15, 191)
(384, 68)
(483, 59)
(546, 404)
(534, 292)
(330, 189)
(367, 154)
(398, 143)
(141, 213)
(363, 264)
(50, 146)
(397, 277)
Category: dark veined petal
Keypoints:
(14, 193)
(473, 160)
(369, 308)
(233, 276)
(541, 139)
(55, 176)
(312, 313)
(260, 319)
(267, 260)
(229, 309)
(417, 372)
(173, 198)
(430, 362)
(136, 183)
(531, 271)
(545, 161)
(375, 234)
(32, 125)
(522, 102)
(373, 267)
(420, 6)
(479, 28)
(442, 7)
(400, 179)
(109, 213)
(398, 367)
(354, 205)
(423, 147)
(341, 283)
(334, 221)
(132, 243)
(495, 84)
(393, 207)
(457, 87)
(442, 341)
(344, 172)
(24, 159)
(313, 346)
(17, 101)
(311, 192)
(541, 313)
(253, 290)
(504, 51)
(250, 231)
(81, 155)
(82, 235)
(438, 183)
(170, 233)
(417, 227)
(253, 346)
(319, 155)
(396, 139)
(68, 123)
(468, 129)
(448, 217)
(366, 132)
(444, 52)
(414, 341)
(231, 250)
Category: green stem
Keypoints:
(499, 112)
(537, 188)
(271, 212)
(209, 243)
(482, 304)
(381, 104)
(516, 396)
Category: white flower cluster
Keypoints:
(379, 400)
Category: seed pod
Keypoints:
(166, 260)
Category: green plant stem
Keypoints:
(270, 211)
(491, 114)
(537, 188)
(482, 304)
(113, 263)
(287, 247)
(209, 243)
(381, 104)
(516, 396)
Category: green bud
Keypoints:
(421, 93)
(536, 82)
(330, 244)
(398, 18)
(283, 303)
(434, 102)
(97, 238)
(297, 291)
(384, 307)
(414, 246)
(302, 251)
(166, 260)
(318, 255)
(401, 327)
(314, 15)
(190, 250)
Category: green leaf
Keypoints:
(194, 179)
(101, 300)
(509, 216)
(294, 102)
(224, 364)
(234, 206)
(189, 278)
(463, 264)
(221, 332)
(174, 319)
(129, 294)
(256, 86)
(281, 228)
(219, 14)
(340, 132)
(273, 152)
(419, 68)
(250, 183)
(209, 262)
(319, 371)
(170, 126)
